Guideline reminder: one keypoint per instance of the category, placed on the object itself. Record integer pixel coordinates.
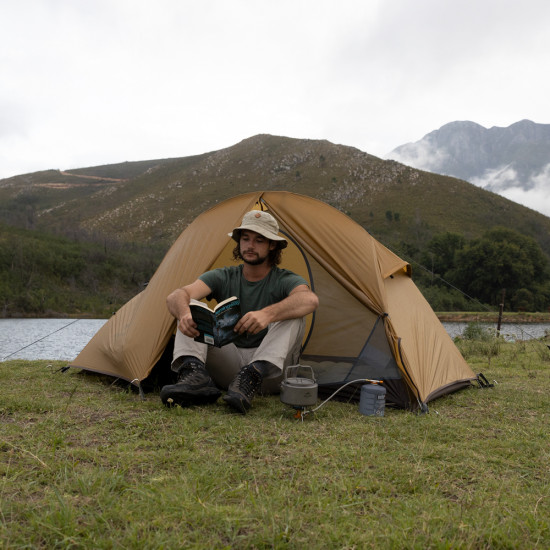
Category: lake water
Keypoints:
(64, 339)
(508, 331)
(61, 339)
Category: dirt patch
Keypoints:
(54, 185)
(96, 178)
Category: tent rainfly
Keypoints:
(372, 321)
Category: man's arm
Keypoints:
(178, 305)
(300, 302)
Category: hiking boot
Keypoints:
(194, 386)
(243, 388)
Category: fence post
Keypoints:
(500, 310)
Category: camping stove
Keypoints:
(298, 389)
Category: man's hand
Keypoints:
(253, 322)
(299, 303)
(188, 326)
(178, 305)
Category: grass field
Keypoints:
(88, 464)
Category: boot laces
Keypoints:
(248, 381)
(191, 373)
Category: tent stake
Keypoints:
(140, 389)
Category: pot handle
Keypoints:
(296, 370)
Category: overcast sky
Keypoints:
(90, 82)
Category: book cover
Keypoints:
(216, 325)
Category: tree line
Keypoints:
(455, 273)
(47, 275)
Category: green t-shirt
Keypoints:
(229, 281)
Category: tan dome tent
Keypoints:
(372, 321)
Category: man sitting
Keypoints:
(274, 303)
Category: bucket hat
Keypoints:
(260, 222)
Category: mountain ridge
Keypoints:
(154, 200)
(500, 159)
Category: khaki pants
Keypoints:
(281, 347)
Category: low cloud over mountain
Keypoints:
(513, 162)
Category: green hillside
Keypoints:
(155, 200)
(151, 202)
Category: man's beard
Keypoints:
(256, 261)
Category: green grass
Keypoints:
(88, 464)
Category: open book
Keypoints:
(216, 325)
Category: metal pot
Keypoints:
(299, 390)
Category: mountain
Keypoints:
(511, 161)
(153, 201)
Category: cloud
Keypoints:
(113, 80)
(14, 121)
(422, 155)
(497, 179)
(536, 193)
(533, 193)
(536, 199)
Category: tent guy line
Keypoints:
(40, 339)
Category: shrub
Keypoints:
(478, 340)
